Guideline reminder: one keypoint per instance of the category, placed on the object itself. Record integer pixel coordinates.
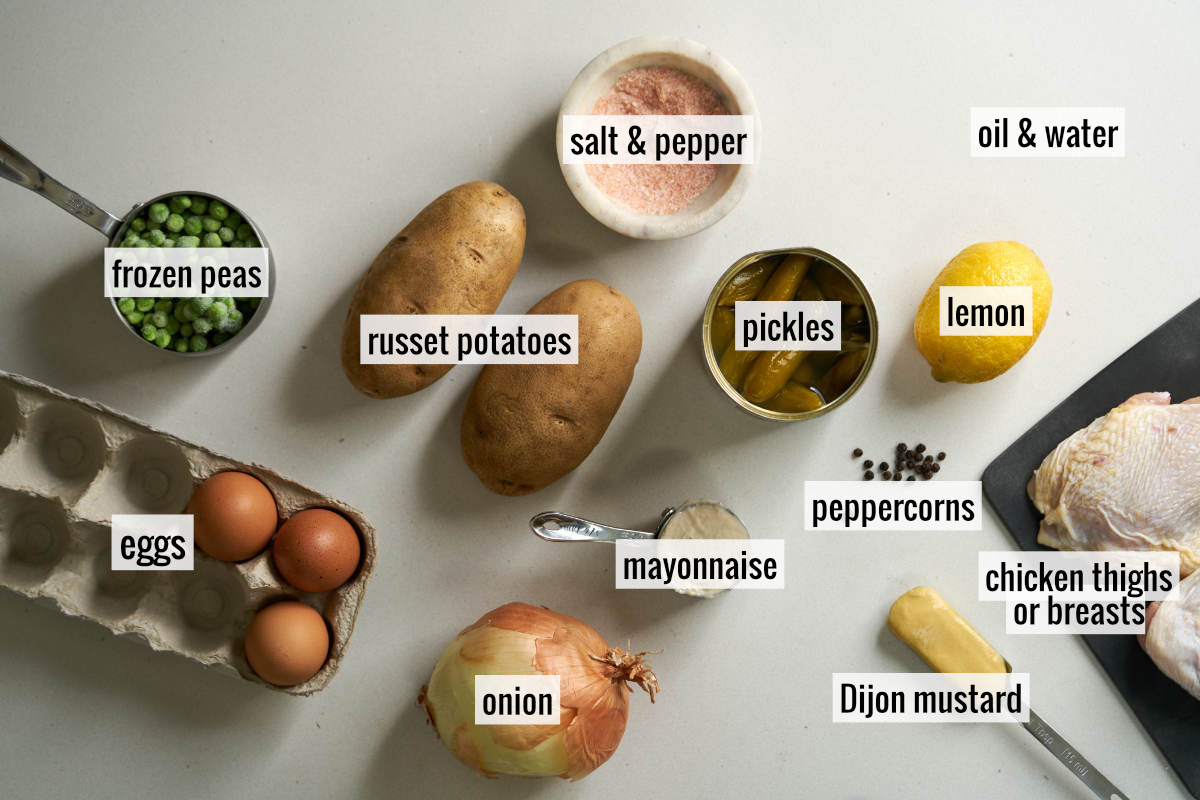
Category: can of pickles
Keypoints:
(789, 385)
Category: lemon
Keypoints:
(974, 359)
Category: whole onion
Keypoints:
(520, 639)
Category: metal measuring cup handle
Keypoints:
(23, 172)
(557, 527)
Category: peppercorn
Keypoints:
(857, 452)
(896, 476)
(868, 464)
(920, 448)
(887, 476)
(883, 465)
(942, 456)
(928, 459)
(911, 478)
(936, 468)
(868, 476)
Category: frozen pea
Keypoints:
(234, 220)
(226, 234)
(142, 243)
(202, 303)
(232, 323)
(149, 332)
(187, 241)
(255, 302)
(201, 326)
(174, 223)
(164, 305)
(158, 319)
(181, 345)
(126, 305)
(144, 303)
(210, 224)
(162, 339)
(135, 317)
(180, 203)
(138, 225)
(211, 240)
(218, 210)
(188, 312)
(253, 242)
(192, 225)
(185, 330)
(173, 326)
(158, 212)
(244, 232)
(156, 238)
(199, 205)
(219, 338)
(131, 240)
(197, 344)
(237, 243)
(216, 312)
(168, 242)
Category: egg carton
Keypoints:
(67, 465)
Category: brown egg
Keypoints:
(235, 516)
(316, 550)
(287, 643)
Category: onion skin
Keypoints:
(520, 639)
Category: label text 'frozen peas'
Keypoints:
(699, 564)
(888, 506)
(787, 325)
(186, 272)
(517, 699)
(931, 697)
(657, 139)
(153, 542)
(469, 339)
(1077, 592)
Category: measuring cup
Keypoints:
(23, 172)
(554, 526)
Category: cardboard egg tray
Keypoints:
(67, 465)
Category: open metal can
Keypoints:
(869, 346)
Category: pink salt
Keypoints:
(656, 188)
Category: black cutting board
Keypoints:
(1166, 360)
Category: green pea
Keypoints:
(218, 210)
(162, 339)
(126, 305)
(149, 332)
(192, 225)
(174, 223)
(135, 317)
(244, 232)
(158, 319)
(142, 243)
(181, 345)
(216, 312)
(138, 225)
(197, 344)
(156, 238)
(219, 338)
(185, 330)
(211, 240)
(158, 212)
(199, 205)
(201, 304)
(180, 203)
(253, 242)
(187, 241)
(168, 242)
(234, 220)
(131, 240)
(173, 326)
(164, 305)
(226, 234)
(255, 302)
(210, 224)
(232, 323)
(237, 243)
(201, 326)
(144, 303)
(187, 313)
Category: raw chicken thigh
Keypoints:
(1128, 481)
(1172, 637)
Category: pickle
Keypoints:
(794, 398)
(736, 363)
(842, 373)
(835, 285)
(785, 280)
(853, 315)
(770, 374)
(748, 283)
(809, 291)
(816, 365)
(720, 333)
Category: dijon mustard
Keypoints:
(940, 635)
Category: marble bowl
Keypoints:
(687, 56)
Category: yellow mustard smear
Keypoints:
(929, 625)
